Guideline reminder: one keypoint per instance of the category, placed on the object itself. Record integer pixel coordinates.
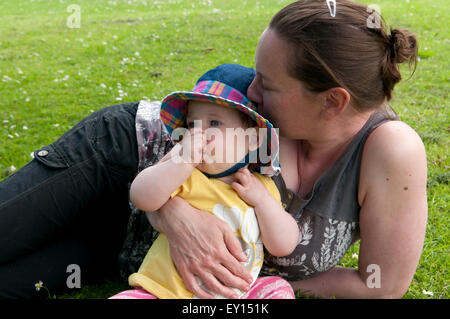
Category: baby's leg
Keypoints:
(133, 294)
(270, 288)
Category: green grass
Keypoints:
(52, 76)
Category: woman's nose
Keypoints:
(253, 92)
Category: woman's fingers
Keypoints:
(205, 274)
(228, 279)
(193, 284)
(211, 282)
(233, 246)
(232, 264)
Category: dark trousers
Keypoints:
(69, 205)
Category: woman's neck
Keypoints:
(332, 141)
(315, 156)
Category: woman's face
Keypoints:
(280, 98)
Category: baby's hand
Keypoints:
(249, 187)
(190, 149)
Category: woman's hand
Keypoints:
(202, 246)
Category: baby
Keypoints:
(221, 137)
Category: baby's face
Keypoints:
(228, 137)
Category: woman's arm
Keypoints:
(203, 246)
(393, 218)
(279, 230)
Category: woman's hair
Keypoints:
(351, 50)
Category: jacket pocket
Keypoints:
(48, 156)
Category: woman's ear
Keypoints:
(335, 102)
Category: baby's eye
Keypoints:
(214, 123)
(195, 123)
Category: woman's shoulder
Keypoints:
(392, 148)
(392, 139)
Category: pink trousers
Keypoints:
(263, 288)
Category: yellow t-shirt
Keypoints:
(157, 273)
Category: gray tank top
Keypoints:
(328, 218)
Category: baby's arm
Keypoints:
(279, 230)
(153, 186)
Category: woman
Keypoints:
(352, 172)
(348, 172)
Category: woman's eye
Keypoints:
(214, 123)
(262, 84)
(264, 87)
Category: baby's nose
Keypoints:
(210, 138)
(196, 124)
(196, 130)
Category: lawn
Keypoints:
(52, 76)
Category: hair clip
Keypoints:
(332, 10)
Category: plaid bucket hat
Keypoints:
(225, 85)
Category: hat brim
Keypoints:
(174, 108)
